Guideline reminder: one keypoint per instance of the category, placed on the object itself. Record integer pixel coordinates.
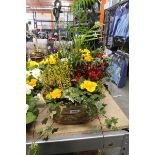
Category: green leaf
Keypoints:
(30, 117)
(45, 137)
(49, 129)
(40, 132)
(54, 130)
(114, 120)
(114, 128)
(45, 121)
(111, 123)
(33, 149)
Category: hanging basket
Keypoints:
(72, 115)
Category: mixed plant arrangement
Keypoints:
(69, 77)
(72, 77)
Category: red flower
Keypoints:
(94, 74)
(100, 55)
(102, 65)
(78, 76)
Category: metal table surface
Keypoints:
(84, 142)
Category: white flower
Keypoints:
(40, 97)
(28, 74)
(64, 59)
(49, 47)
(27, 107)
(36, 73)
(28, 89)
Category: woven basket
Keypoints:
(74, 115)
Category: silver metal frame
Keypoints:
(84, 142)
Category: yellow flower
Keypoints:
(88, 85)
(82, 86)
(85, 51)
(48, 97)
(44, 62)
(55, 55)
(32, 82)
(87, 57)
(56, 93)
(52, 60)
(33, 63)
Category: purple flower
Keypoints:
(54, 50)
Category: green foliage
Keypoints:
(82, 97)
(32, 102)
(101, 152)
(48, 130)
(30, 117)
(45, 120)
(97, 51)
(83, 4)
(33, 149)
(111, 123)
(73, 94)
(86, 31)
(33, 111)
(73, 56)
(101, 107)
(53, 105)
(37, 89)
(86, 35)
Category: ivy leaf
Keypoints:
(51, 130)
(114, 120)
(114, 128)
(111, 123)
(54, 130)
(30, 117)
(40, 132)
(33, 149)
(45, 137)
(102, 111)
(108, 123)
(45, 121)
